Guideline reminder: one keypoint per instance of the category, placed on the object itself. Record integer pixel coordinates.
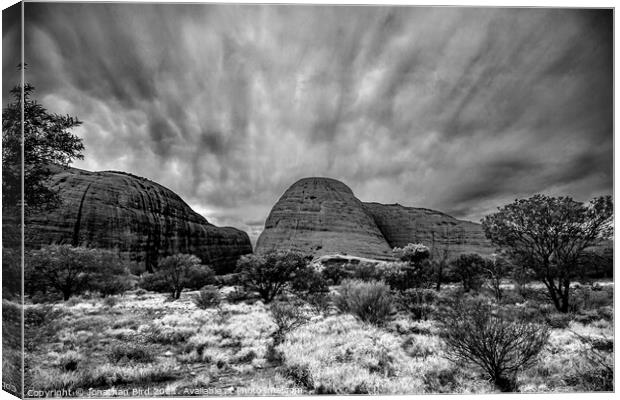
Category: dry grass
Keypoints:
(144, 341)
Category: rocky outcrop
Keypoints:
(322, 216)
(138, 217)
(442, 233)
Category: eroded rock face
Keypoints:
(134, 215)
(322, 216)
(440, 232)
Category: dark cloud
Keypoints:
(457, 109)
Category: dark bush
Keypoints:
(177, 272)
(269, 273)
(418, 302)
(131, 353)
(469, 269)
(307, 281)
(402, 276)
(227, 280)
(498, 342)
(287, 317)
(208, 297)
(369, 301)
(69, 270)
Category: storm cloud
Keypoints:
(456, 109)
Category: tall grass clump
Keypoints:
(369, 301)
(479, 333)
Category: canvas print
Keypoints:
(283, 200)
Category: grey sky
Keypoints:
(460, 110)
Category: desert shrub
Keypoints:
(307, 280)
(416, 272)
(495, 270)
(477, 332)
(238, 295)
(403, 276)
(72, 270)
(557, 320)
(159, 333)
(418, 302)
(110, 301)
(208, 297)
(412, 253)
(334, 274)
(41, 323)
(131, 353)
(369, 301)
(269, 273)
(177, 272)
(591, 297)
(441, 380)
(69, 361)
(227, 280)
(469, 270)
(319, 301)
(595, 368)
(286, 316)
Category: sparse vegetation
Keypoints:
(369, 301)
(488, 337)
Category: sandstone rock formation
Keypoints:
(441, 232)
(322, 216)
(138, 217)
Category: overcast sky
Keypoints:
(460, 110)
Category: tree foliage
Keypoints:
(177, 272)
(549, 235)
(269, 273)
(469, 269)
(46, 141)
(416, 272)
(72, 270)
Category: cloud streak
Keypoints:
(457, 109)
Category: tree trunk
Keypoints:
(66, 294)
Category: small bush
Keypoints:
(558, 320)
(477, 332)
(308, 281)
(110, 301)
(441, 380)
(469, 269)
(208, 297)
(418, 302)
(269, 273)
(369, 301)
(402, 276)
(286, 317)
(238, 295)
(131, 353)
(69, 361)
(227, 280)
(178, 272)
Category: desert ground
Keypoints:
(142, 343)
